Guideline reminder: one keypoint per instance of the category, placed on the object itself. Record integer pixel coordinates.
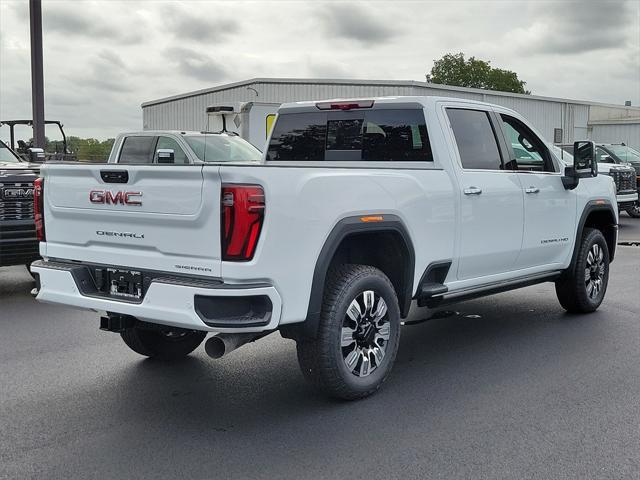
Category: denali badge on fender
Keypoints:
(109, 197)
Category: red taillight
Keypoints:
(242, 208)
(349, 105)
(38, 208)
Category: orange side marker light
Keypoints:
(372, 218)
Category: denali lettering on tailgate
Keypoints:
(104, 233)
(108, 197)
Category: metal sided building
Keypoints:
(577, 119)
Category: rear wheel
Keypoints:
(634, 211)
(162, 343)
(582, 288)
(358, 334)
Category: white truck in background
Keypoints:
(357, 209)
(252, 121)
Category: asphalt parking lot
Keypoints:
(511, 387)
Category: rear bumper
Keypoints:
(168, 302)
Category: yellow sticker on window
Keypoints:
(270, 119)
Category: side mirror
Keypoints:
(584, 164)
(36, 154)
(165, 155)
(584, 159)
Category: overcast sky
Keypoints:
(102, 59)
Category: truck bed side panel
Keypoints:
(303, 204)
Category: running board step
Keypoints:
(430, 290)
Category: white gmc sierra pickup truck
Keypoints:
(357, 208)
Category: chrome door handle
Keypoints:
(472, 191)
(532, 190)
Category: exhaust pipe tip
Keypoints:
(225, 343)
(215, 347)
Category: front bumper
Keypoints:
(18, 242)
(626, 200)
(167, 301)
(627, 197)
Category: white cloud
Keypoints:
(104, 58)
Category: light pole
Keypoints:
(37, 77)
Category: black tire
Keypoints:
(163, 344)
(576, 292)
(634, 211)
(323, 360)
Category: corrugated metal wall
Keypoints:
(189, 113)
(628, 133)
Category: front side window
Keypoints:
(625, 153)
(475, 138)
(602, 156)
(7, 155)
(530, 153)
(179, 156)
(137, 150)
(379, 135)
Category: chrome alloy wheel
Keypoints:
(365, 333)
(594, 271)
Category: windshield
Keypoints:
(222, 148)
(626, 154)
(7, 155)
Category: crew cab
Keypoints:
(357, 210)
(18, 242)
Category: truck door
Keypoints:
(491, 198)
(549, 209)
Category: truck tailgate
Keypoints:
(155, 217)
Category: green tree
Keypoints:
(454, 69)
(90, 149)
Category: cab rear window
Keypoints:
(137, 149)
(374, 135)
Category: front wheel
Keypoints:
(162, 343)
(635, 210)
(583, 286)
(358, 335)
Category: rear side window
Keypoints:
(137, 150)
(372, 135)
(475, 138)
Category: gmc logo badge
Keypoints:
(16, 193)
(114, 198)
